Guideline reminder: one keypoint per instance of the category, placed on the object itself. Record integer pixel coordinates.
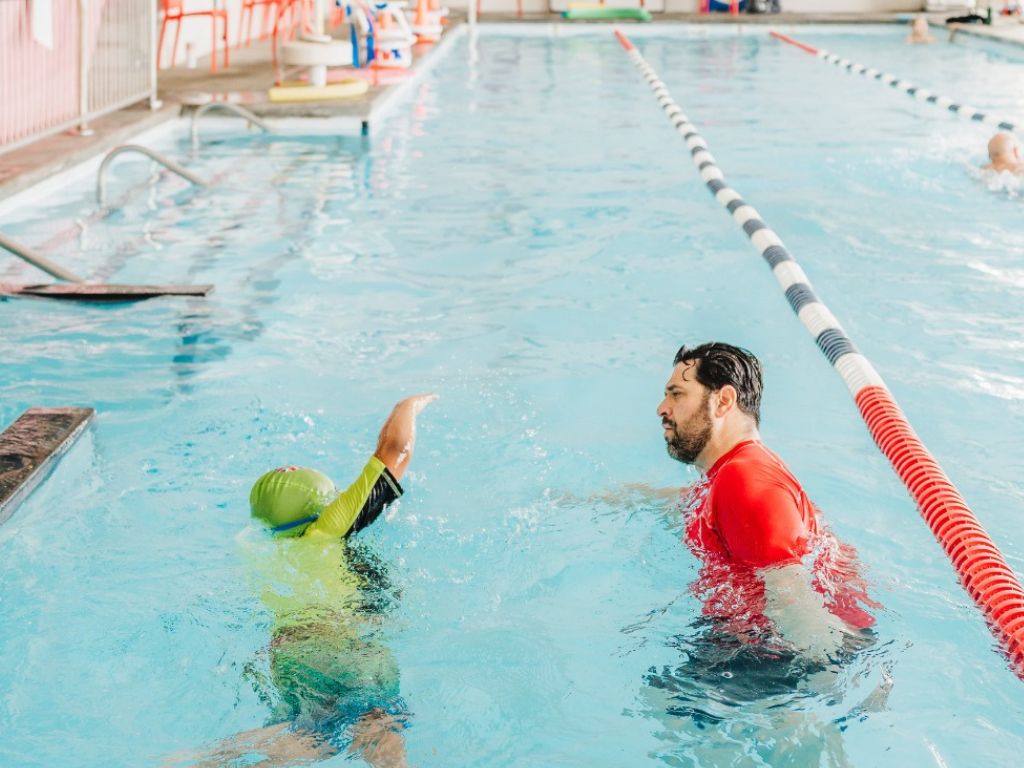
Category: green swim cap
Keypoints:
(288, 499)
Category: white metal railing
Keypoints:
(66, 62)
(226, 106)
(156, 157)
(37, 260)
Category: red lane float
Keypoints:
(988, 579)
(787, 39)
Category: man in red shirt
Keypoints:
(748, 519)
(782, 599)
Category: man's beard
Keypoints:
(685, 444)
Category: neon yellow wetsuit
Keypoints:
(325, 672)
(358, 505)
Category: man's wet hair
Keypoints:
(719, 364)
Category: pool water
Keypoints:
(526, 237)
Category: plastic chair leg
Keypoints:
(226, 46)
(243, 37)
(265, 19)
(174, 48)
(160, 43)
(213, 48)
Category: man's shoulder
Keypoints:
(746, 456)
(750, 469)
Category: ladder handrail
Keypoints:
(37, 260)
(226, 105)
(166, 162)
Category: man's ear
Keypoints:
(726, 400)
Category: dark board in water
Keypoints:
(102, 292)
(30, 448)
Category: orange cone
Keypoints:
(435, 7)
(426, 25)
(421, 13)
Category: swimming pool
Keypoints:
(528, 238)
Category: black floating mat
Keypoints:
(30, 448)
(103, 291)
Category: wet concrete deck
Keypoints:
(31, 447)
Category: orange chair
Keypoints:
(292, 15)
(174, 10)
(249, 7)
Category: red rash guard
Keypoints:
(748, 513)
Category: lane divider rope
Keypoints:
(921, 94)
(983, 571)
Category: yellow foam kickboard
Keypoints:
(300, 91)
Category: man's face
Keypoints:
(685, 414)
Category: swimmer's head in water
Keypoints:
(288, 499)
(1003, 147)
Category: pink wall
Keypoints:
(39, 86)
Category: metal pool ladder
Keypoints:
(37, 260)
(166, 162)
(227, 107)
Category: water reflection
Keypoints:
(327, 677)
(748, 700)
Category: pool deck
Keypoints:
(246, 82)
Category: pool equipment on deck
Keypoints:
(393, 39)
(31, 447)
(732, 6)
(381, 36)
(427, 22)
(595, 11)
(301, 91)
(921, 94)
(983, 571)
(317, 51)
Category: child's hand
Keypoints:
(418, 402)
(398, 435)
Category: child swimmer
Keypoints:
(331, 683)
(295, 501)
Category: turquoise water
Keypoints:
(527, 237)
